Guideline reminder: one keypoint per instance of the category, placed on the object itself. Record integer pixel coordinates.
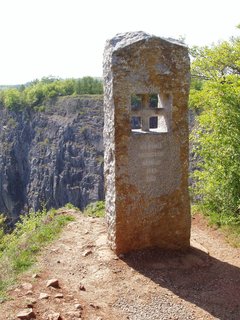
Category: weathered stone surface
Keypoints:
(53, 283)
(78, 306)
(54, 316)
(146, 145)
(87, 253)
(28, 147)
(51, 157)
(82, 287)
(31, 302)
(74, 314)
(26, 314)
(43, 296)
(27, 286)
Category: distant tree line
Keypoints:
(33, 94)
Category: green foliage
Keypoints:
(88, 85)
(13, 98)
(216, 138)
(217, 61)
(95, 209)
(35, 93)
(71, 206)
(18, 249)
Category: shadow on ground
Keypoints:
(194, 276)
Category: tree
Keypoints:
(12, 98)
(34, 93)
(88, 85)
(217, 136)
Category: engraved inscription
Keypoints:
(150, 160)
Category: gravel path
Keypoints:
(202, 283)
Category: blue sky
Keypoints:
(66, 38)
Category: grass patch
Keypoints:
(19, 249)
(70, 206)
(232, 234)
(95, 209)
(229, 224)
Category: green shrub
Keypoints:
(71, 206)
(18, 250)
(216, 135)
(12, 98)
(34, 94)
(216, 143)
(95, 209)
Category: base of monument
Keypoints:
(121, 250)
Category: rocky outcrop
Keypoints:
(54, 156)
(51, 156)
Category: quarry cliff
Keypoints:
(51, 156)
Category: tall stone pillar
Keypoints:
(146, 87)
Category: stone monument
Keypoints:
(146, 87)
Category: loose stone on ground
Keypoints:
(151, 285)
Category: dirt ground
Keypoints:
(95, 284)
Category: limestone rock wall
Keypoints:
(52, 157)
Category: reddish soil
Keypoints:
(201, 283)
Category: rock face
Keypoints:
(146, 81)
(52, 157)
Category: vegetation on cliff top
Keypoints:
(216, 94)
(18, 249)
(95, 209)
(34, 94)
